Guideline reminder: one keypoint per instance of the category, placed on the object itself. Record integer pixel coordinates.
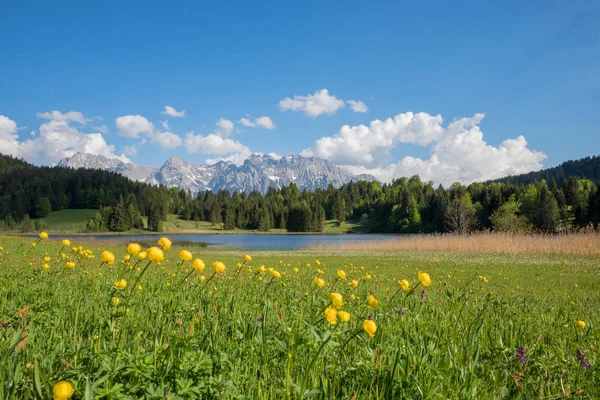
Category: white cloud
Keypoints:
(57, 139)
(264, 122)
(321, 102)
(213, 144)
(357, 106)
(167, 140)
(225, 127)
(275, 156)
(132, 125)
(173, 112)
(130, 150)
(235, 158)
(457, 153)
(33, 132)
(165, 125)
(101, 128)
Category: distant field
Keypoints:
(68, 220)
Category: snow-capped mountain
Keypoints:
(257, 173)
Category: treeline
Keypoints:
(406, 205)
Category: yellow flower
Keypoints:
(580, 324)
(127, 257)
(341, 274)
(46, 259)
(141, 255)
(373, 302)
(66, 242)
(239, 265)
(331, 315)
(317, 263)
(262, 269)
(70, 264)
(33, 244)
(63, 390)
(198, 265)
(120, 284)
(43, 235)
(404, 284)
(344, 316)
(107, 257)
(367, 277)
(185, 255)
(425, 278)
(319, 282)
(45, 266)
(155, 254)
(219, 267)
(295, 270)
(165, 243)
(370, 327)
(354, 283)
(336, 299)
(247, 257)
(116, 301)
(134, 249)
(275, 274)
(202, 277)
(139, 287)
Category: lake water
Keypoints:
(262, 242)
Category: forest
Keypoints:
(408, 205)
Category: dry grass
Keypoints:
(583, 243)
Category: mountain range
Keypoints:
(257, 173)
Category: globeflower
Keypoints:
(373, 302)
(581, 324)
(70, 264)
(275, 274)
(155, 254)
(404, 285)
(331, 315)
(336, 299)
(165, 243)
(115, 301)
(134, 249)
(319, 282)
(219, 267)
(185, 255)
(247, 258)
(66, 242)
(63, 390)
(141, 255)
(107, 257)
(45, 266)
(425, 278)
(198, 265)
(370, 327)
(344, 316)
(341, 274)
(43, 235)
(120, 284)
(354, 283)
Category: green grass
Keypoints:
(68, 221)
(247, 335)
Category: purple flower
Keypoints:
(370, 317)
(423, 294)
(521, 356)
(260, 319)
(582, 360)
(400, 312)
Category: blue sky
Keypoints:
(533, 69)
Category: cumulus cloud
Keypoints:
(167, 140)
(173, 112)
(458, 152)
(263, 122)
(132, 125)
(57, 139)
(224, 127)
(358, 106)
(321, 102)
(130, 150)
(213, 144)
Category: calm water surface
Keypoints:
(263, 242)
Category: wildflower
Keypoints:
(63, 390)
(344, 316)
(120, 284)
(354, 283)
(155, 254)
(367, 277)
(70, 264)
(584, 362)
(219, 267)
(107, 257)
(370, 327)
(331, 315)
(185, 255)
(317, 263)
(247, 258)
(134, 249)
(45, 266)
(295, 270)
(141, 255)
(115, 301)
(580, 324)
(336, 300)
(423, 294)
(66, 242)
(425, 278)
(521, 355)
(341, 274)
(262, 269)
(260, 319)
(127, 257)
(275, 274)
(198, 265)
(139, 287)
(404, 285)
(319, 282)
(373, 302)
(401, 312)
(165, 243)
(43, 235)
(239, 265)
(320, 272)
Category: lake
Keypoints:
(258, 241)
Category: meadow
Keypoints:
(126, 323)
